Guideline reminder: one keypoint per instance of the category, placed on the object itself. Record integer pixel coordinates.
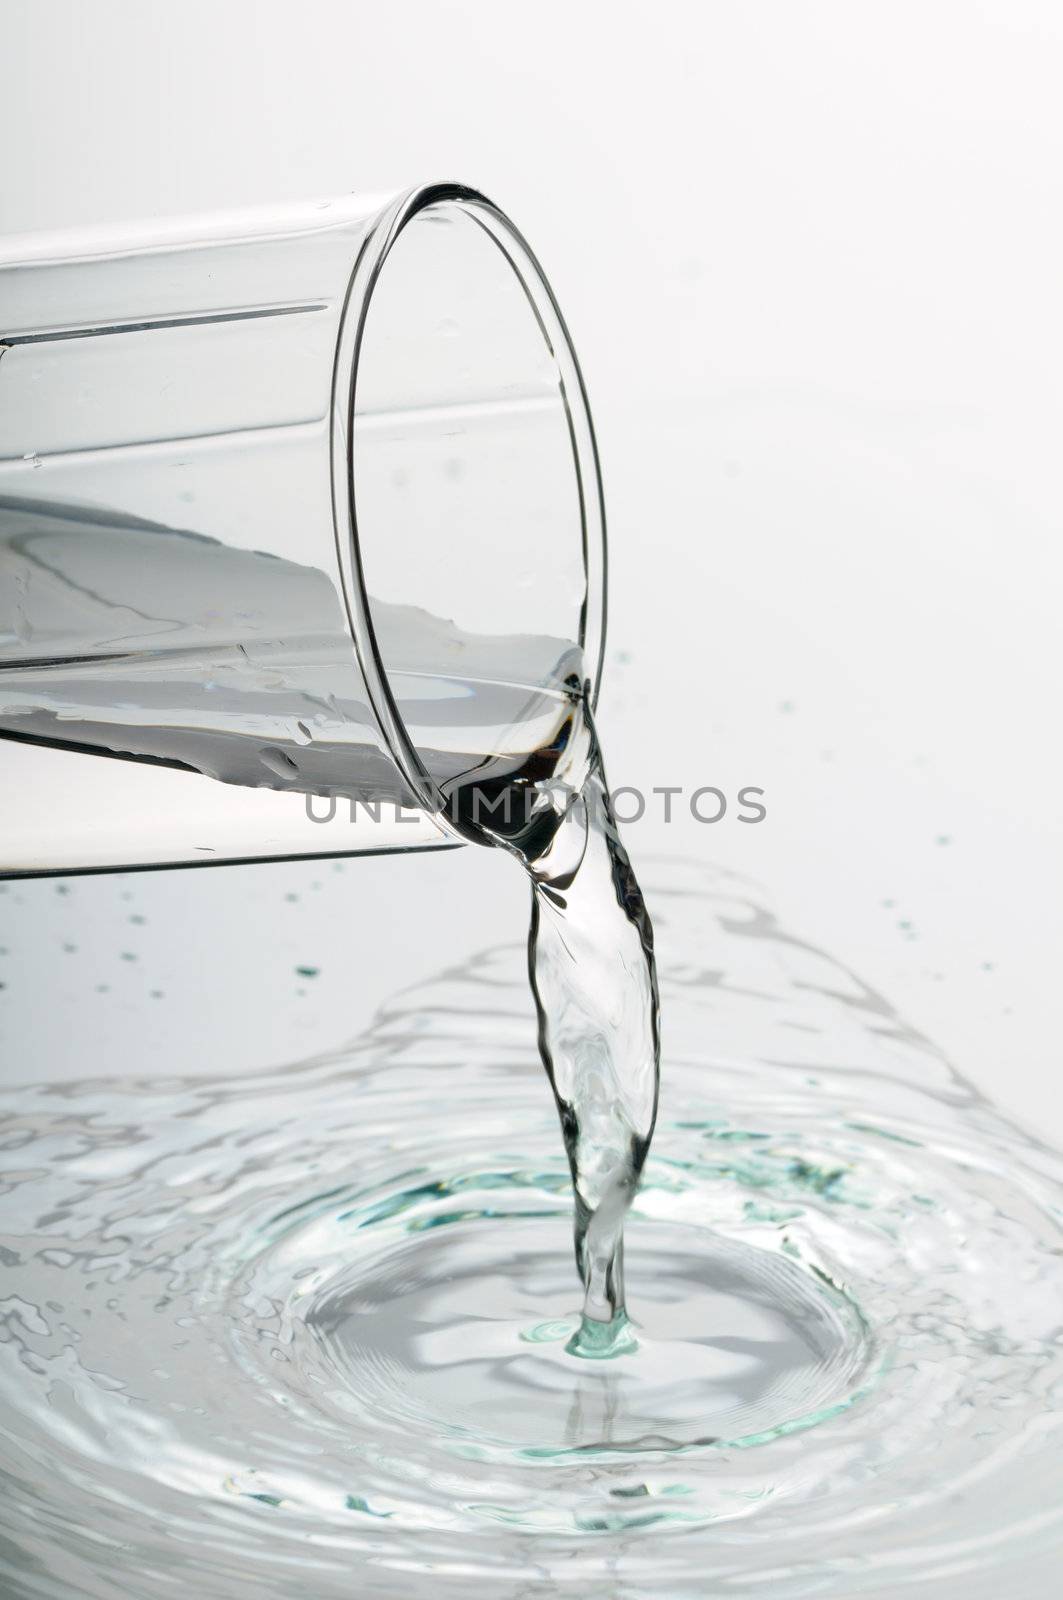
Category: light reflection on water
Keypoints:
(309, 1328)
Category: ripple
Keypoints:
(311, 1327)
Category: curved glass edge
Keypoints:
(372, 257)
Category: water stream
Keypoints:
(594, 981)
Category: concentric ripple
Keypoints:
(307, 1332)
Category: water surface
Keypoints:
(308, 1329)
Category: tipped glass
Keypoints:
(291, 506)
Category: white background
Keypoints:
(812, 256)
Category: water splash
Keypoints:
(310, 1328)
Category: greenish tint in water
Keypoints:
(308, 1328)
(603, 1341)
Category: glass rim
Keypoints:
(368, 266)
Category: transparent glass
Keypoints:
(291, 505)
